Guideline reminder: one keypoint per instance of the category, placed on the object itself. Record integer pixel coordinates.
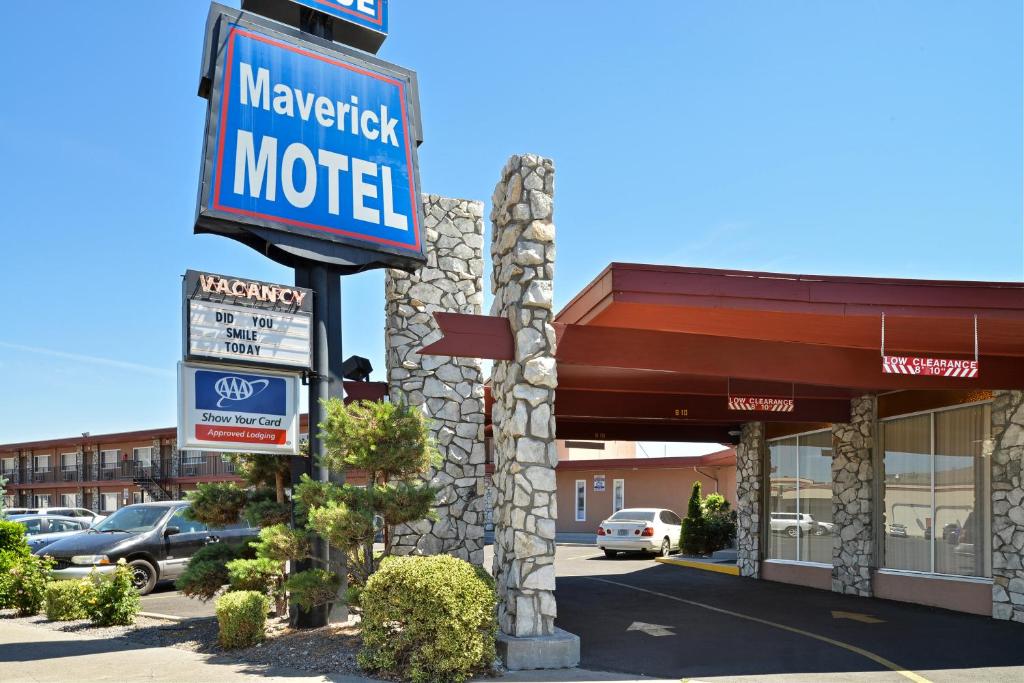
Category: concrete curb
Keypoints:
(730, 569)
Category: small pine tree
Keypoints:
(693, 539)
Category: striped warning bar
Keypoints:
(935, 367)
(761, 403)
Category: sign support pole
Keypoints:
(335, 389)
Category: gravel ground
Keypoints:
(323, 650)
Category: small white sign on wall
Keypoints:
(599, 482)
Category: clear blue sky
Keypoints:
(872, 138)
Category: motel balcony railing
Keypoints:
(206, 465)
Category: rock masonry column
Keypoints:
(853, 550)
(523, 423)
(1008, 505)
(749, 485)
(450, 391)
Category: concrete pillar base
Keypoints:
(560, 650)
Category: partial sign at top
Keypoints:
(310, 151)
(359, 23)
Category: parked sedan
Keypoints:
(42, 530)
(92, 516)
(648, 530)
(155, 539)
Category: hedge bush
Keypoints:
(709, 524)
(29, 577)
(69, 600)
(262, 575)
(241, 618)
(114, 601)
(13, 547)
(428, 619)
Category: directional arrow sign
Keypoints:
(857, 616)
(651, 629)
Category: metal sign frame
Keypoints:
(281, 239)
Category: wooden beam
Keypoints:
(571, 428)
(577, 403)
(472, 336)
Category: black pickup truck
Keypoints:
(155, 539)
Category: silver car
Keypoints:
(42, 530)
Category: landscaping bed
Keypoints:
(326, 650)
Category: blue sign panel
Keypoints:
(312, 143)
(371, 14)
(241, 393)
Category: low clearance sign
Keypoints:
(936, 367)
(312, 142)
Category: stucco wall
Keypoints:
(655, 487)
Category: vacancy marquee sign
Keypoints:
(934, 367)
(236, 320)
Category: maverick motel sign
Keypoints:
(235, 320)
(310, 149)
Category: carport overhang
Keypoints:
(653, 352)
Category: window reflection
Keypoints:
(935, 480)
(800, 498)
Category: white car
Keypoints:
(646, 530)
(89, 515)
(788, 523)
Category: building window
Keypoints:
(800, 498)
(68, 500)
(108, 502)
(8, 465)
(618, 494)
(581, 500)
(68, 461)
(143, 456)
(108, 459)
(936, 481)
(192, 457)
(41, 463)
(8, 500)
(41, 500)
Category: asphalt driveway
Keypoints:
(637, 616)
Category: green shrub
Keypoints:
(241, 618)
(29, 577)
(427, 619)
(115, 601)
(261, 513)
(12, 537)
(281, 543)
(68, 600)
(8, 558)
(709, 524)
(262, 575)
(313, 587)
(206, 572)
(217, 504)
(693, 538)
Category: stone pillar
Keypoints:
(749, 508)
(523, 423)
(853, 550)
(1007, 452)
(450, 391)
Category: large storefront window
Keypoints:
(936, 479)
(800, 498)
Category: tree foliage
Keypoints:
(709, 525)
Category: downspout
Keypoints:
(714, 479)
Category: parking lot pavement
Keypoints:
(640, 617)
(167, 601)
